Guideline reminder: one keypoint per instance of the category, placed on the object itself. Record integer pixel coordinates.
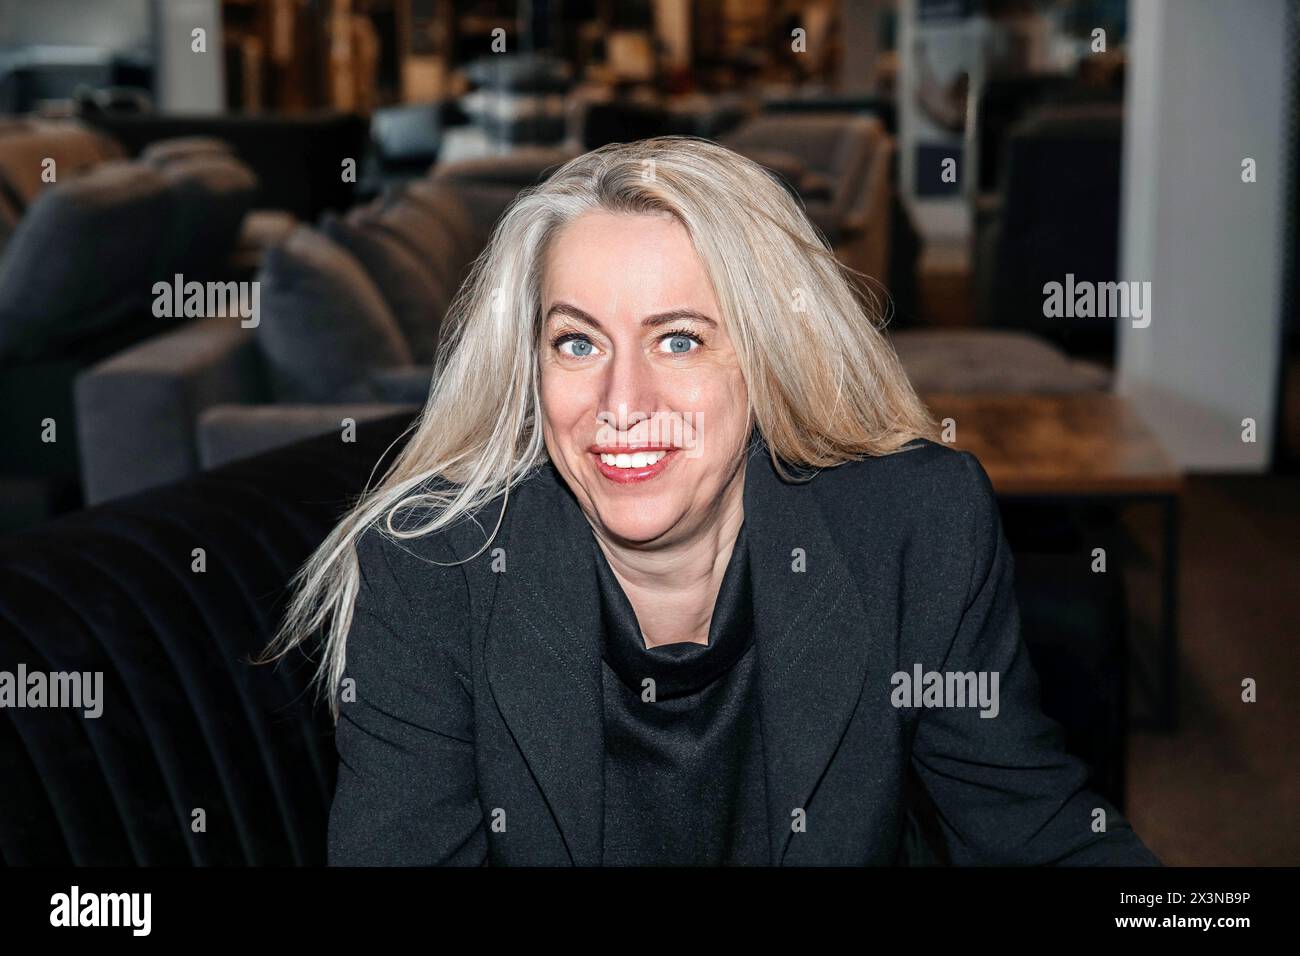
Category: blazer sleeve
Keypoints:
(406, 792)
(1004, 788)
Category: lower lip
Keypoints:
(627, 476)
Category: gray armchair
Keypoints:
(487, 185)
(841, 166)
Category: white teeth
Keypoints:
(640, 459)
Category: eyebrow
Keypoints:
(650, 321)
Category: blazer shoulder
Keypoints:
(393, 543)
(928, 503)
(462, 551)
(421, 585)
(927, 512)
(922, 475)
(392, 565)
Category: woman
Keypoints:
(670, 538)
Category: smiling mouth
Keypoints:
(629, 466)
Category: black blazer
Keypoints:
(473, 732)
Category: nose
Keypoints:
(629, 394)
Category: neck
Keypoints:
(674, 588)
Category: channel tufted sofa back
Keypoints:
(187, 723)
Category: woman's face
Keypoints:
(645, 411)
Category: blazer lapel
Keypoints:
(812, 638)
(543, 658)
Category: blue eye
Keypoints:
(581, 347)
(680, 343)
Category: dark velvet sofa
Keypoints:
(187, 724)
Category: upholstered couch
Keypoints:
(1057, 213)
(349, 323)
(187, 724)
(84, 235)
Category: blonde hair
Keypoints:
(825, 386)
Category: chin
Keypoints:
(638, 525)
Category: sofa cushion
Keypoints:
(9, 217)
(408, 385)
(213, 192)
(485, 202)
(485, 186)
(231, 432)
(991, 360)
(183, 147)
(445, 202)
(324, 325)
(416, 294)
(261, 229)
(522, 167)
(25, 144)
(82, 255)
(435, 241)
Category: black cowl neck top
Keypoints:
(684, 772)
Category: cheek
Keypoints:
(566, 403)
(720, 401)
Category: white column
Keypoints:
(186, 81)
(1207, 89)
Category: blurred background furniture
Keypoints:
(84, 235)
(1075, 459)
(983, 360)
(488, 185)
(518, 99)
(842, 168)
(961, 155)
(828, 101)
(624, 119)
(349, 329)
(297, 158)
(1058, 213)
(406, 140)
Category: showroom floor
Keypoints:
(1225, 789)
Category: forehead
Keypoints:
(609, 263)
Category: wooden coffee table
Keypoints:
(1082, 446)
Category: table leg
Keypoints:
(1169, 616)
